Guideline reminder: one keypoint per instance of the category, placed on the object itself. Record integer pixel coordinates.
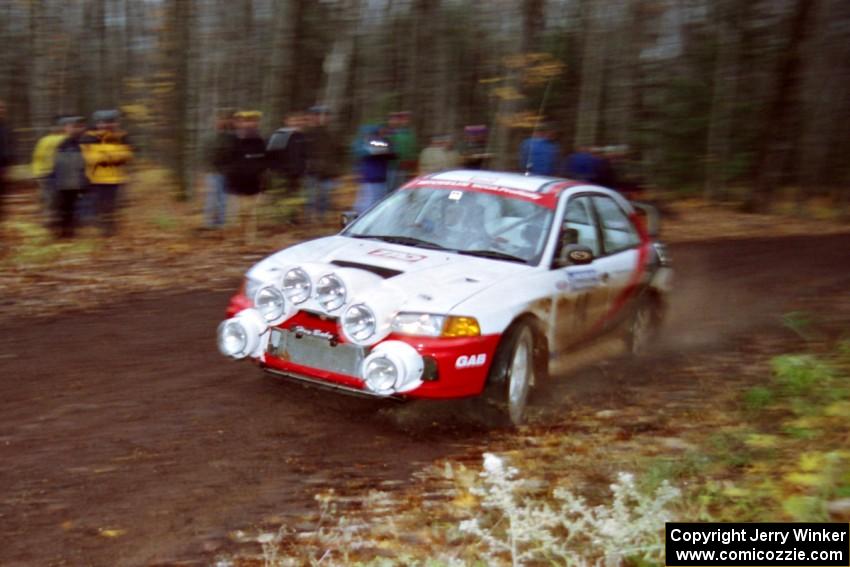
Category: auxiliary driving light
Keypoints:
(330, 292)
(393, 367)
(297, 285)
(271, 304)
(239, 336)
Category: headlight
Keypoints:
(358, 323)
(297, 285)
(429, 325)
(419, 324)
(271, 304)
(330, 292)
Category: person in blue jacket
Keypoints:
(373, 152)
(539, 155)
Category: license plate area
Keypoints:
(316, 352)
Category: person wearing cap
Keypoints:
(245, 172)
(70, 180)
(438, 156)
(107, 152)
(324, 157)
(403, 140)
(217, 156)
(42, 161)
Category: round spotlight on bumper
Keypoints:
(393, 367)
(239, 336)
(272, 304)
(330, 292)
(358, 324)
(297, 285)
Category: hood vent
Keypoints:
(385, 273)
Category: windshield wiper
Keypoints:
(494, 254)
(405, 240)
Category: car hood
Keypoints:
(430, 281)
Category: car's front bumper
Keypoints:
(455, 367)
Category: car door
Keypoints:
(581, 300)
(618, 263)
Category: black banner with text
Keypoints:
(759, 544)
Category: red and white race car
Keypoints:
(457, 283)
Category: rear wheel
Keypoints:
(643, 327)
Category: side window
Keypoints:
(618, 233)
(577, 218)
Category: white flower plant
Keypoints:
(569, 532)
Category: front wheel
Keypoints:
(512, 375)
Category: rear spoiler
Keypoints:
(650, 216)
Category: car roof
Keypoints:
(508, 180)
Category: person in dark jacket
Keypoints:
(69, 176)
(374, 152)
(287, 152)
(216, 156)
(581, 165)
(539, 155)
(246, 169)
(323, 163)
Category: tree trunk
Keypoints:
(592, 74)
(782, 114)
(720, 121)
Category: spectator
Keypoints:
(287, 152)
(323, 163)
(438, 156)
(403, 141)
(604, 174)
(538, 155)
(373, 151)
(581, 165)
(107, 152)
(68, 172)
(6, 154)
(246, 168)
(42, 163)
(474, 150)
(216, 155)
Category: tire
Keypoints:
(643, 327)
(513, 373)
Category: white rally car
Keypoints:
(458, 283)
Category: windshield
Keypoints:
(466, 222)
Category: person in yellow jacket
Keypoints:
(107, 152)
(42, 162)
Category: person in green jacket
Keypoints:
(403, 141)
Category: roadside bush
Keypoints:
(568, 530)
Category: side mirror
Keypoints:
(574, 255)
(650, 217)
(347, 218)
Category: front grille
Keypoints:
(316, 352)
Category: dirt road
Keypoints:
(125, 439)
